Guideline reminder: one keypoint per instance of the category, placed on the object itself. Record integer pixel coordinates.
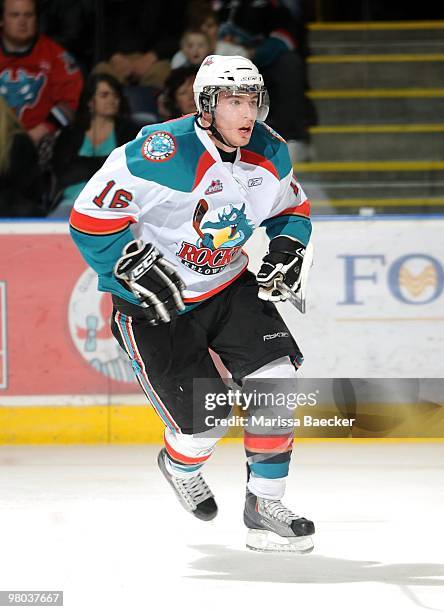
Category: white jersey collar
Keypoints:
(210, 146)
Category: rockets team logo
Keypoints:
(220, 244)
(22, 91)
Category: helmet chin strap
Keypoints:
(214, 131)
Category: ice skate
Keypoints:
(193, 493)
(274, 528)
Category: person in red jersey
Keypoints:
(38, 78)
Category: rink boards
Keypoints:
(375, 309)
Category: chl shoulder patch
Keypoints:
(271, 146)
(175, 144)
(159, 146)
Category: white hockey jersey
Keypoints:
(170, 187)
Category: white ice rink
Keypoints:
(101, 524)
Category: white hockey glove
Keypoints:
(153, 280)
(284, 271)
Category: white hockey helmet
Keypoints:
(228, 73)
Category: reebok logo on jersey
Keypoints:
(254, 182)
(276, 335)
(215, 187)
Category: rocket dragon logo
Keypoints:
(219, 242)
(23, 91)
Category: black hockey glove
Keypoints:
(281, 267)
(153, 280)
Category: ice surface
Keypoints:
(100, 523)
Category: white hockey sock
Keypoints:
(269, 488)
(187, 451)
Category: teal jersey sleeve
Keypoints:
(289, 225)
(101, 254)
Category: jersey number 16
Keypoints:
(121, 198)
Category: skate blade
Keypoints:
(262, 540)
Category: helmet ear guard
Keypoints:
(205, 103)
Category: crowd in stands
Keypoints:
(81, 77)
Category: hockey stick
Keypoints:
(199, 213)
(297, 298)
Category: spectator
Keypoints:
(101, 125)
(177, 98)
(137, 68)
(194, 48)
(141, 37)
(202, 18)
(278, 44)
(38, 78)
(21, 185)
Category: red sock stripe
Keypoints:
(265, 444)
(183, 458)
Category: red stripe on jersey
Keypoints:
(250, 157)
(303, 210)
(205, 162)
(94, 225)
(204, 296)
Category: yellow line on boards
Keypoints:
(378, 25)
(79, 424)
(380, 202)
(376, 129)
(432, 92)
(400, 440)
(376, 58)
(115, 425)
(369, 166)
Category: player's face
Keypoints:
(235, 116)
(19, 22)
(106, 101)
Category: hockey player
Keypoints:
(163, 223)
